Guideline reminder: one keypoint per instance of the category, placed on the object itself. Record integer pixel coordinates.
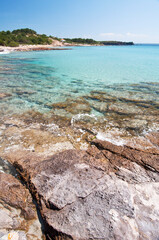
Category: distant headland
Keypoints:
(27, 39)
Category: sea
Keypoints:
(115, 84)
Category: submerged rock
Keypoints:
(73, 106)
(4, 95)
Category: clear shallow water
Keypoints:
(36, 80)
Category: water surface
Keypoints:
(112, 81)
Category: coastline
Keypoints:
(77, 166)
(57, 45)
(29, 48)
(78, 172)
(26, 48)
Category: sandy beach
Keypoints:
(25, 48)
(56, 45)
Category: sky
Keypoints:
(124, 20)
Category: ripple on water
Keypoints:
(29, 83)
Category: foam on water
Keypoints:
(5, 51)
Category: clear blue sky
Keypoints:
(126, 20)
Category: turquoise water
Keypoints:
(35, 80)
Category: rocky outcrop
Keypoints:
(123, 153)
(107, 192)
(18, 216)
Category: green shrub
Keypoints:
(22, 36)
(2, 43)
(12, 44)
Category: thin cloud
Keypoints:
(136, 35)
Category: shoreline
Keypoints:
(28, 48)
(56, 46)
(51, 161)
(63, 167)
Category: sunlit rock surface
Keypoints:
(18, 216)
(91, 164)
(107, 192)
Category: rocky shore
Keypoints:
(61, 180)
(104, 192)
(66, 173)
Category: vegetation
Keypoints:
(81, 41)
(29, 36)
(116, 43)
(93, 42)
(55, 38)
(22, 36)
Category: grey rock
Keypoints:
(17, 211)
(80, 200)
(16, 235)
